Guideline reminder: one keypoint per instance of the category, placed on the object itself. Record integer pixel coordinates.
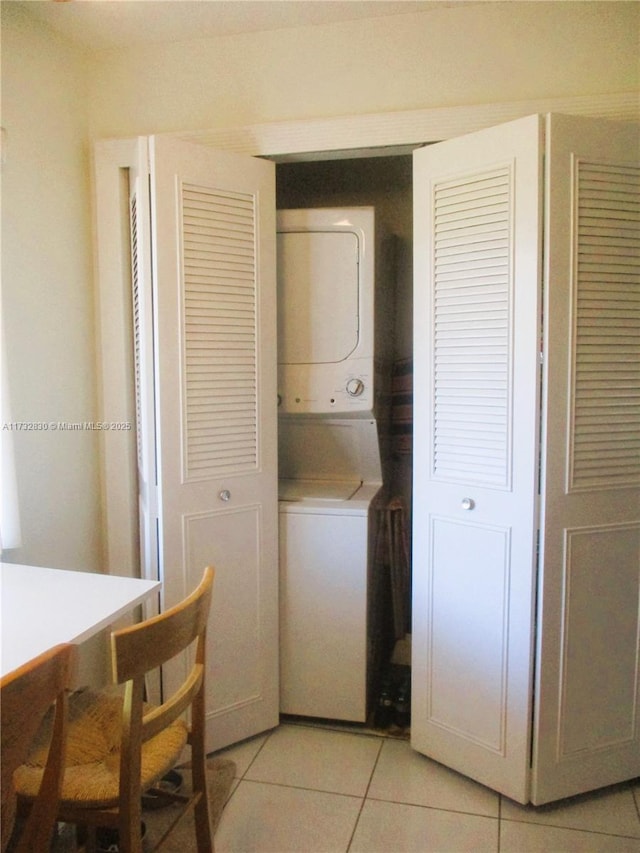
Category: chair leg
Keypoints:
(129, 834)
(202, 818)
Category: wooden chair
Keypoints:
(26, 695)
(119, 747)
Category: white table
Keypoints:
(42, 607)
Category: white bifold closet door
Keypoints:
(477, 212)
(587, 715)
(214, 386)
(525, 637)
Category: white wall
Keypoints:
(47, 292)
(467, 54)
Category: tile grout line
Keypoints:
(607, 834)
(635, 793)
(292, 787)
(364, 798)
(241, 778)
(415, 805)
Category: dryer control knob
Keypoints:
(355, 387)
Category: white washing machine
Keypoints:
(331, 399)
(326, 560)
(329, 490)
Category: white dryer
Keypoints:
(333, 332)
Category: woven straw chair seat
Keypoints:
(92, 765)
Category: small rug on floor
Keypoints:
(220, 776)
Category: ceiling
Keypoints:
(103, 24)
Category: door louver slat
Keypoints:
(472, 263)
(137, 330)
(606, 378)
(221, 396)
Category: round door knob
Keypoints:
(355, 387)
(225, 495)
(467, 503)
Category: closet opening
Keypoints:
(384, 183)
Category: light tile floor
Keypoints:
(302, 788)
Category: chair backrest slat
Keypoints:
(160, 717)
(146, 646)
(25, 697)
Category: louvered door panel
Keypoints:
(220, 361)
(216, 397)
(476, 344)
(471, 353)
(588, 680)
(605, 447)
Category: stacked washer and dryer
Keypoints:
(334, 339)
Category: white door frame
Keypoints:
(349, 136)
